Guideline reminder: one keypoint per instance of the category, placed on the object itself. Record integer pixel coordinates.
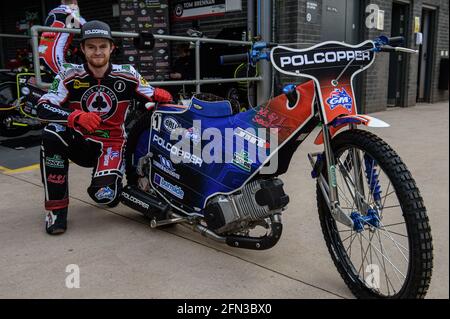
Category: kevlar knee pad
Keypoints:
(106, 189)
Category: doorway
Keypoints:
(426, 56)
(397, 83)
(341, 21)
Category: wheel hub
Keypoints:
(372, 219)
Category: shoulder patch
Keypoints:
(70, 69)
(125, 68)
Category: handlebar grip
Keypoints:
(233, 58)
(394, 41)
(387, 48)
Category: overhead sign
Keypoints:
(187, 10)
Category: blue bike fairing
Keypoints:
(181, 170)
(189, 184)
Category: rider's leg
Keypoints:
(54, 167)
(106, 184)
(58, 145)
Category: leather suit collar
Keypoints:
(107, 72)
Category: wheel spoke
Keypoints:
(390, 225)
(385, 257)
(384, 267)
(395, 242)
(350, 245)
(347, 238)
(362, 252)
(393, 232)
(393, 206)
(367, 250)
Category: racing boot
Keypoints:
(56, 221)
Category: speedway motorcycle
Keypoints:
(19, 95)
(372, 215)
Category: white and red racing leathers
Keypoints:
(53, 46)
(75, 89)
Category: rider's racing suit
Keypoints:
(75, 90)
(53, 46)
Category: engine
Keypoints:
(255, 202)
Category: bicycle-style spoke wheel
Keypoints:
(388, 251)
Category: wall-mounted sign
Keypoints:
(197, 9)
(416, 24)
(311, 12)
(188, 9)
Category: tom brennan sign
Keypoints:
(185, 10)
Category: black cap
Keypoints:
(95, 29)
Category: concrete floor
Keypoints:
(119, 256)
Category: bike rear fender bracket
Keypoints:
(338, 124)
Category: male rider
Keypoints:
(53, 46)
(86, 107)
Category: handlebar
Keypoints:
(394, 41)
(233, 58)
(258, 51)
(388, 48)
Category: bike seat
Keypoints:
(210, 105)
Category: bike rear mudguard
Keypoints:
(339, 123)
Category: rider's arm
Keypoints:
(146, 93)
(50, 108)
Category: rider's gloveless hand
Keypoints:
(88, 120)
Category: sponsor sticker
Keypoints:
(268, 118)
(77, 84)
(166, 166)
(242, 161)
(170, 124)
(110, 155)
(104, 193)
(55, 85)
(251, 138)
(340, 97)
(55, 161)
(194, 135)
(58, 127)
(177, 152)
(171, 188)
(56, 179)
(143, 81)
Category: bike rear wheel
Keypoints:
(389, 253)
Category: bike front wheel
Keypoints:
(388, 253)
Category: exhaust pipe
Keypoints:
(144, 203)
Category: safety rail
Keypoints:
(15, 36)
(198, 82)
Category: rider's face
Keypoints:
(97, 51)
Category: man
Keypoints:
(53, 46)
(86, 108)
